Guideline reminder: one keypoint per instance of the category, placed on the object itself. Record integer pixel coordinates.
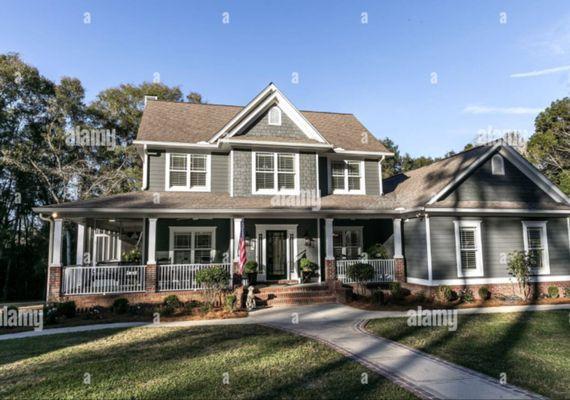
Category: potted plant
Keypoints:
(250, 269)
(308, 269)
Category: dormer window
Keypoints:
(275, 116)
(498, 165)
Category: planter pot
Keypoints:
(252, 278)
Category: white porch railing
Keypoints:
(183, 276)
(383, 270)
(103, 279)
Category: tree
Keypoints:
(549, 146)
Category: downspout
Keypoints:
(49, 250)
(145, 169)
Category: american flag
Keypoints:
(242, 250)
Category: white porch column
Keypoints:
(80, 244)
(151, 241)
(237, 233)
(398, 238)
(56, 244)
(329, 253)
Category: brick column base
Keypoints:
(150, 278)
(54, 283)
(330, 274)
(400, 269)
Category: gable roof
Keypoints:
(426, 186)
(165, 121)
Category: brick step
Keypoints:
(293, 288)
(299, 294)
(301, 301)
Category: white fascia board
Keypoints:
(253, 103)
(378, 154)
(275, 144)
(496, 211)
(534, 175)
(152, 143)
(462, 176)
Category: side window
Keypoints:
(469, 248)
(347, 176)
(536, 245)
(188, 172)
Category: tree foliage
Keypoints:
(549, 146)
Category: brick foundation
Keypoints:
(505, 289)
(400, 269)
(86, 301)
(54, 283)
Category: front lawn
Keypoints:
(202, 363)
(532, 349)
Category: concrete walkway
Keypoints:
(341, 327)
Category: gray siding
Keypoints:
(371, 177)
(219, 174)
(308, 171)
(261, 127)
(415, 248)
(156, 169)
(242, 173)
(482, 185)
(500, 236)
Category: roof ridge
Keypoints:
(233, 105)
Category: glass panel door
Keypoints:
(276, 255)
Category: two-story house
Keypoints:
(301, 184)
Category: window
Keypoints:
(347, 176)
(497, 165)
(536, 245)
(188, 172)
(469, 251)
(275, 173)
(274, 116)
(347, 242)
(192, 245)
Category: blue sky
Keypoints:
(382, 70)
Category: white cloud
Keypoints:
(553, 42)
(501, 110)
(541, 72)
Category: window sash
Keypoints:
(275, 172)
(346, 176)
(195, 250)
(188, 171)
(535, 245)
(347, 243)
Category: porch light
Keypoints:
(309, 241)
(54, 215)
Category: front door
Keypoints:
(276, 255)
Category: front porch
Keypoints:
(145, 259)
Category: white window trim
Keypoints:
(254, 190)
(342, 229)
(479, 271)
(545, 270)
(501, 170)
(278, 123)
(187, 187)
(193, 230)
(361, 171)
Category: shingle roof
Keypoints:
(191, 123)
(416, 187)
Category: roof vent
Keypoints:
(147, 98)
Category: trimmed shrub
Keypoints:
(553, 292)
(172, 301)
(67, 309)
(50, 314)
(215, 279)
(250, 267)
(567, 292)
(420, 297)
(443, 294)
(378, 297)
(466, 295)
(377, 250)
(484, 293)
(230, 302)
(396, 290)
(121, 306)
(167, 310)
(360, 272)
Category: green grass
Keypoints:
(532, 349)
(172, 363)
